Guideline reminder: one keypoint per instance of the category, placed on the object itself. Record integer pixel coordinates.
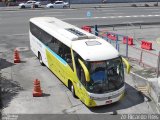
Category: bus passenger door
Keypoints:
(65, 67)
(54, 61)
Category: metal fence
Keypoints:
(142, 57)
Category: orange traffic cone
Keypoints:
(16, 56)
(37, 92)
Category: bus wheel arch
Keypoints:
(71, 88)
(40, 58)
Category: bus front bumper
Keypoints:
(104, 99)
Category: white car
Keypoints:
(30, 4)
(58, 4)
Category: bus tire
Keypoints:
(73, 91)
(40, 59)
(71, 88)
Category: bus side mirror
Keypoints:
(128, 67)
(86, 72)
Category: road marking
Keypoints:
(142, 15)
(53, 15)
(111, 17)
(115, 13)
(101, 10)
(51, 12)
(15, 34)
(134, 16)
(120, 16)
(128, 16)
(22, 48)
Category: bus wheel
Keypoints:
(40, 59)
(73, 91)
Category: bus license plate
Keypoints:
(109, 102)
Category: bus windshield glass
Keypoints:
(105, 76)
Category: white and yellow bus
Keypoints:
(88, 65)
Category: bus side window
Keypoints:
(61, 52)
(68, 57)
(46, 38)
(65, 53)
(51, 45)
(54, 45)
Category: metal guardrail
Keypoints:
(143, 57)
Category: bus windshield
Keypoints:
(105, 76)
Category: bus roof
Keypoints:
(87, 45)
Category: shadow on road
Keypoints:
(131, 98)
(45, 95)
(8, 90)
(4, 63)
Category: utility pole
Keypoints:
(69, 3)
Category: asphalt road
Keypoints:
(101, 16)
(58, 99)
